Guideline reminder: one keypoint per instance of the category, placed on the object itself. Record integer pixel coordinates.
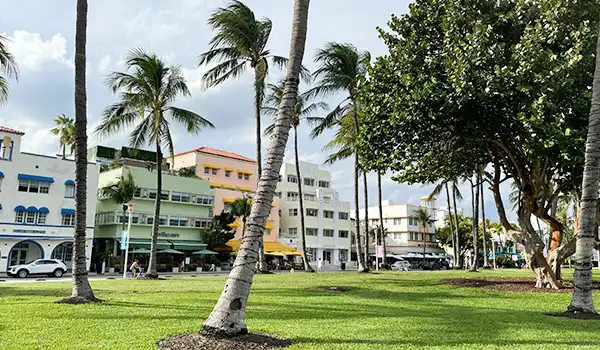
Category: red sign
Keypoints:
(130, 207)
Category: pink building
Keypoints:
(231, 176)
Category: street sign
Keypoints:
(123, 239)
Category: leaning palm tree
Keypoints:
(305, 107)
(424, 219)
(240, 208)
(582, 300)
(341, 68)
(228, 315)
(122, 192)
(8, 68)
(81, 291)
(147, 91)
(65, 130)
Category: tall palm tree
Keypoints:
(122, 192)
(456, 195)
(424, 219)
(147, 91)
(65, 130)
(305, 107)
(443, 185)
(341, 68)
(240, 208)
(382, 230)
(8, 69)
(475, 204)
(82, 291)
(582, 299)
(486, 263)
(228, 315)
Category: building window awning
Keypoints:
(234, 224)
(35, 178)
(1, 174)
(43, 210)
(31, 209)
(65, 211)
(269, 226)
(70, 183)
(228, 169)
(20, 208)
(245, 172)
(247, 189)
(212, 166)
(228, 200)
(234, 245)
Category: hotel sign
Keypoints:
(168, 234)
(29, 231)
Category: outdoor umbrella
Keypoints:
(204, 252)
(171, 251)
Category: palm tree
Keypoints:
(65, 130)
(486, 263)
(240, 208)
(341, 67)
(424, 219)
(8, 67)
(304, 108)
(82, 291)
(443, 185)
(147, 91)
(382, 230)
(475, 204)
(456, 195)
(582, 299)
(121, 192)
(228, 316)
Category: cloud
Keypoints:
(32, 51)
(103, 63)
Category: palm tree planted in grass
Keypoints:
(305, 107)
(65, 130)
(147, 92)
(341, 68)
(240, 208)
(443, 186)
(424, 219)
(228, 316)
(8, 69)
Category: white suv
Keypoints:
(50, 267)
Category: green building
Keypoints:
(186, 207)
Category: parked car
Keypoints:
(401, 265)
(50, 267)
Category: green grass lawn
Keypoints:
(380, 311)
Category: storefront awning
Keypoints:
(178, 245)
(234, 245)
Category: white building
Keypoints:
(327, 219)
(37, 204)
(404, 233)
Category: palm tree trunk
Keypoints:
(380, 205)
(582, 299)
(152, 265)
(475, 200)
(243, 227)
(486, 263)
(305, 260)
(64, 149)
(451, 222)
(360, 261)
(366, 193)
(262, 261)
(458, 258)
(82, 291)
(228, 315)
(123, 250)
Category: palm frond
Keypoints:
(222, 72)
(323, 123)
(192, 121)
(220, 54)
(116, 117)
(269, 130)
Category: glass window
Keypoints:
(293, 212)
(6, 152)
(240, 176)
(34, 186)
(214, 171)
(185, 197)
(176, 196)
(152, 194)
(397, 221)
(312, 212)
(150, 219)
(69, 191)
(327, 214)
(343, 234)
(310, 197)
(202, 222)
(19, 217)
(164, 195)
(324, 184)
(42, 218)
(292, 179)
(246, 177)
(327, 200)
(162, 220)
(327, 233)
(68, 219)
(312, 231)
(45, 188)
(343, 254)
(23, 185)
(413, 236)
(293, 231)
(432, 237)
(30, 219)
(343, 216)
(309, 182)
(227, 173)
(138, 193)
(292, 196)
(207, 171)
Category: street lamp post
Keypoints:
(130, 210)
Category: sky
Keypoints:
(42, 34)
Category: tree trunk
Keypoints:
(451, 222)
(82, 291)
(360, 261)
(123, 250)
(475, 200)
(486, 263)
(457, 233)
(582, 299)
(366, 193)
(152, 265)
(64, 149)
(382, 228)
(228, 315)
(243, 227)
(305, 261)
(259, 81)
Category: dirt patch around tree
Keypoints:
(511, 285)
(578, 315)
(196, 341)
(329, 289)
(79, 301)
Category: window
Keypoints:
(343, 216)
(292, 196)
(312, 212)
(309, 182)
(69, 191)
(68, 219)
(327, 200)
(312, 232)
(19, 217)
(150, 220)
(30, 218)
(138, 193)
(227, 173)
(178, 221)
(206, 200)
(279, 178)
(327, 214)
(293, 231)
(310, 197)
(180, 197)
(324, 184)
(202, 222)
(413, 236)
(162, 220)
(42, 218)
(6, 152)
(432, 237)
(152, 194)
(33, 186)
(246, 177)
(292, 179)
(278, 194)
(412, 222)
(214, 171)
(343, 234)
(206, 171)
(343, 254)
(327, 233)
(240, 176)
(293, 212)
(397, 221)
(164, 195)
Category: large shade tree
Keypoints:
(8, 69)
(147, 91)
(65, 130)
(228, 316)
(514, 96)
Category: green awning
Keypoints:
(161, 244)
(204, 252)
